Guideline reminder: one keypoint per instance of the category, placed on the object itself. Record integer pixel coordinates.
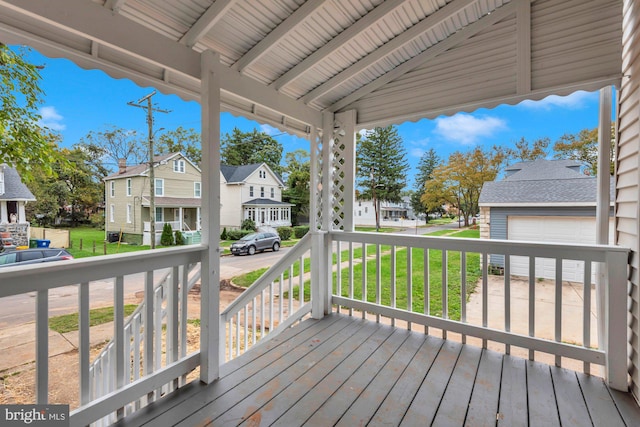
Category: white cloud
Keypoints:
(467, 129)
(575, 101)
(416, 152)
(51, 119)
(269, 130)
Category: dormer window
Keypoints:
(178, 166)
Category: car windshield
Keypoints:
(249, 237)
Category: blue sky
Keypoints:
(78, 101)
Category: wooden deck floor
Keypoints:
(349, 372)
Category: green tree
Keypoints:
(381, 167)
(166, 238)
(524, 151)
(113, 144)
(459, 181)
(583, 147)
(75, 190)
(243, 148)
(428, 163)
(187, 141)
(24, 144)
(298, 178)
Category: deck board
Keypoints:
(403, 391)
(571, 409)
(453, 408)
(483, 406)
(543, 409)
(512, 409)
(348, 371)
(425, 404)
(331, 411)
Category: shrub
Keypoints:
(300, 230)
(179, 238)
(248, 224)
(223, 236)
(166, 239)
(237, 234)
(285, 232)
(97, 220)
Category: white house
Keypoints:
(14, 195)
(391, 214)
(252, 192)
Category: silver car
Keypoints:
(253, 242)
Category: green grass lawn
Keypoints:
(97, 316)
(89, 237)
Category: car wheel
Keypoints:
(251, 250)
(276, 247)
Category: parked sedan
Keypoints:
(33, 256)
(253, 242)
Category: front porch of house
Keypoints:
(343, 312)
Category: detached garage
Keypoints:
(546, 201)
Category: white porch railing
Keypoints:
(103, 369)
(270, 304)
(377, 269)
(141, 380)
(373, 272)
(175, 225)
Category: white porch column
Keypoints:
(347, 121)
(210, 342)
(3, 212)
(181, 216)
(603, 202)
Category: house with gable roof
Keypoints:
(14, 195)
(247, 192)
(546, 201)
(252, 192)
(178, 190)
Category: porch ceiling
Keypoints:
(286, 61)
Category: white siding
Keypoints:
(627, 189)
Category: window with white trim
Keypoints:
(273, 193)
(112, 213)
(251, 191)
(112, 186)
(178, 166)
(261, 191)
(129, 213)
(128, 187)
(197, 190)
(159, 187)
(159, 214)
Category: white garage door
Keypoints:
(553, 229)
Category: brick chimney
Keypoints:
(122, 165)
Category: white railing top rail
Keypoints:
(39, 277)
(269, 276)
(595, 253)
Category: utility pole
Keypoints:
(152, 176)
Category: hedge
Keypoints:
(285, 232)
(237, 234)
(300, 230)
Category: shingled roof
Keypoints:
(14, 189)
(238, 174)
(554, 182)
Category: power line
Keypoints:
(152, 191)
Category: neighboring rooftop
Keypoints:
(543, 182)
(14, 188)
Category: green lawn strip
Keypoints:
(97, 316)
(417, 279)
(469, 233)
(380, 230)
